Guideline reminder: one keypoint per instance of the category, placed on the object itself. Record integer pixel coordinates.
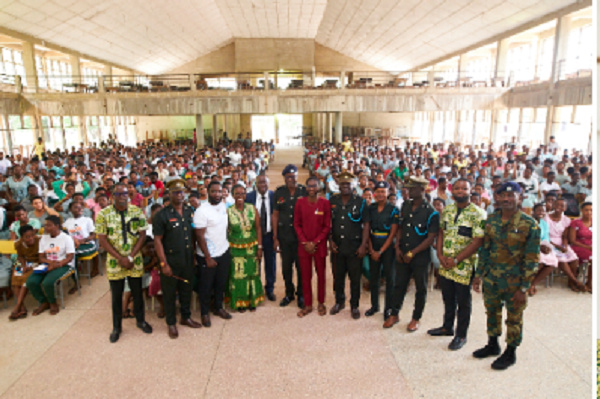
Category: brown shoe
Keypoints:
(413, 325)
(322, 309)
(173, 333)
(336, 308)
(355, 313)
(190, 323)
(222, 313)
(391, 321)
(305, 311)
(205, 320)
(54, 309)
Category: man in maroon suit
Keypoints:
(312, 222)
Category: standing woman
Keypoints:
(244, 234)
(580, 237)
(568, 262)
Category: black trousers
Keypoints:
(289, 260)
(116, 289)
(385, 264)
(173, 288)
(270, 264)
(348, 264)
(417, 269)
(213, 279)
(456, 295)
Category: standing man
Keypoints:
(174, 242)
(348, 242)
(262, 199)
(381, 222)
(459, 238)
(312, 222)
(419, 225)
(213, 256)
(121, 230)
(508, 262)
(285, 240)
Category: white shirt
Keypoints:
(57, 248)
(79, 228)
(258, 204)
(545, 186)
(214, 219)
(4, 164)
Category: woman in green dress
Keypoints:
(245, 290)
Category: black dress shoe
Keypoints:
(205, 320)
(440, 332)
(190, 323)
(222, 313)
(285, 301)
(371, 312)
(145, 327)
(355, 313)
(301, 302)
(114, 335)
(457, 343)
(271, 297)
(173, 333)
(336, 308)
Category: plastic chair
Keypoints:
(7, 247)
(58, 285)
(88, 262)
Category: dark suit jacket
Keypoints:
(251, 199)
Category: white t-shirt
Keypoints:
(79, 228)
(58, 247)
(214, 219)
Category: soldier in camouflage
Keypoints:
(508, 262)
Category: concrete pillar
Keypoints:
(520, 131)
(493, 127)
(108, 76)
(561, 39)
(29, 65)
(314, 76)
(342, 79)
(329, 127)
(193, 86)
(215, 130)
(266, 79)
(431, 116)
(75, 69)
(456, 126)
(338, 127)
(18, 84)
(199, 131)
(549, 119)
(462, 65)
(500, 74)
(7, 134)
(277, 141)
(83, 137)
(474, 132)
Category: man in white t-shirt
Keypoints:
(82, 230)
(4, 164)
(213, 256)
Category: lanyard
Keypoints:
(427, 227)
(360, 215)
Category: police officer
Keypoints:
(381, 222)
(419, 225)
(174, 242)
(348, 242)
(285, 240)
(508, 262)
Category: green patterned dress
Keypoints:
(245, 287)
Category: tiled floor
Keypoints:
(273, 354)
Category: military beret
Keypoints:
(381, 184)
(415, 181)
(346, 177)
(510, 186)
(289, 169)
(176, 185)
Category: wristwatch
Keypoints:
(162, 264)
(524, 290)
(130, 259)
(456, 261)
(260, 247)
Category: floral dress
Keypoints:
(245, 288)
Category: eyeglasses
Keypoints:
(120, 194)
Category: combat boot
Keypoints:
(491, 349)
(508, 358)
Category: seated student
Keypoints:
(21, 220)
(28, 257)
(548, 259)
(57, 251)
(82, 230)
(40, 210)
(93, 204)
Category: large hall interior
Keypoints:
(138, 75)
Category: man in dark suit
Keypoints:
(262, 199)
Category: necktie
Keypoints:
(263, 215)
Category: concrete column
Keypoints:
(199, 131)
(493, 127)
(431, 78)
(501, 74)
(108, 76)
(193, 86)
(266, 78)
(277, 141)
(549, 119)
(29, 65)
(342, 79)
(461, 66)
(456, 126)
(520, 132)
(561, 39)
(215, 130)
(7, 134)
(18, 84)
(338, 127)
(83, 137)
(314, 77)
(329, 126)
(474, 132)
(431, 116)
(75, 69)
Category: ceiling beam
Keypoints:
(579, 5)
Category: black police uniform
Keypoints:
(381, 225)
(415, 226)
(346, 233)
(178, 242)
(288, 242)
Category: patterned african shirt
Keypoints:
(122, 229)
(459, 232)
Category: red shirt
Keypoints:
(312, 222)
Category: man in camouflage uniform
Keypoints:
(508, 262)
